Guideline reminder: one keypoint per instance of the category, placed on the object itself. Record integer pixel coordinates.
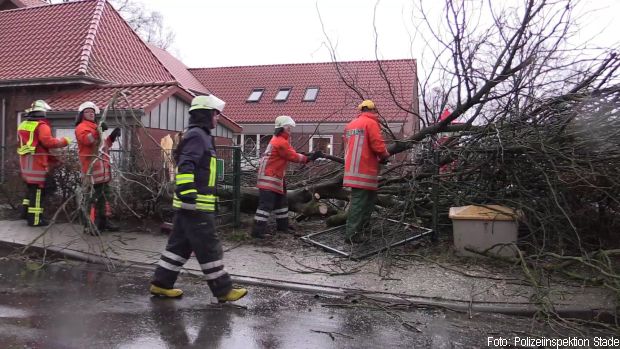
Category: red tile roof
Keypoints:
(29, 3)
(179, 70)
(141, 96)
(81, 39)
(335, 101)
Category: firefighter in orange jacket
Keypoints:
(35, 140)
(95, 163)
(270, 181)
(364, 149)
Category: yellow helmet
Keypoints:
(207, 102)
(366, 103)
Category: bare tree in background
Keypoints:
(149, 25)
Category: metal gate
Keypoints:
(229, 185)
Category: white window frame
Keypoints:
(282, 90)
(331, 142)
(306, 94)
(256, 100)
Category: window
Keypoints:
(282, 95)
(255, 95)
(322, 143)
(311, 93)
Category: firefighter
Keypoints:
(194, 201)
(35, 139)
(270, 181)
(95, 164)
(364, 149)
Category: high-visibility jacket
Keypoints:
(363, 150)
(272, 165)
(35, 139)
(196, 176)
(87, 137)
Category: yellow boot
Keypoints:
(166, 292)
(234, 295)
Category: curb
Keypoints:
(515, 309)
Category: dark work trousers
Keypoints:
(193, 231)
(50, 188)
(362, 205)
(101, 195)
(35, 204)
(270, 201)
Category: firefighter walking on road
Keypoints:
(270, 181)
(194, 201)
(364, 149)
(35, 139)
(95, 165)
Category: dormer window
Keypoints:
(311, 93)
(255, 95)
(282, 94)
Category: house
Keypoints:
(69, 53)
(318, 96)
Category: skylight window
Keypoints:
(255, 95)
(311, 93)
(282, 95)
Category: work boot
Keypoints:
(166, 292)
(357, 238)
(42, 223)
(234, 295)
(111, 226)
(104, 224)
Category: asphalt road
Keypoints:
(67, 304)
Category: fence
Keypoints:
(154, 170)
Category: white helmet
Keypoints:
(39, 105)
(284, 120)
(88, 105)
(207, 102)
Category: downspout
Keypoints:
(3, 140)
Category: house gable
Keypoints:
(75, 42)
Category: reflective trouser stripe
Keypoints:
(169, 266)
(261, 215)
(212, 265)
(37, 210)
(215, 275)
(173, 256)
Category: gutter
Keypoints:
(52, 81)
(3, 140)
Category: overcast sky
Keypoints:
(216, 33)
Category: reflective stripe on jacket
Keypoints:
(87, 136)
(364, 148)
(35, 139)
(196, 172)
(272, 165)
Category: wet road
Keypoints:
(74, 305)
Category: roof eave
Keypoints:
(52, 81)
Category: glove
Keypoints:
(104, 126)
(316, 155)
(115, 133)
(68, 139)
